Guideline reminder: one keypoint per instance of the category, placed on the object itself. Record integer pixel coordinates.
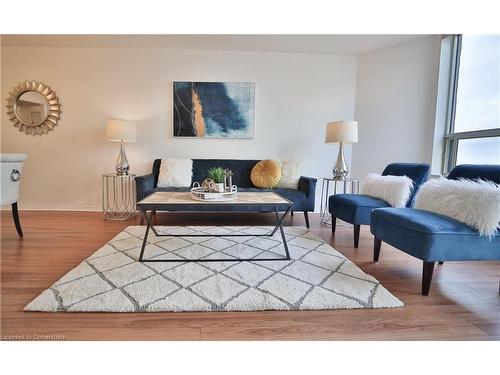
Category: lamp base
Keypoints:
(122, 166)
(122, 171)
(339, 177)
(340, 171)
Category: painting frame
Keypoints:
(213, 110)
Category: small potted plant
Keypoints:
(218, 176)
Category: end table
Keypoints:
(344, 186)
(118, 196)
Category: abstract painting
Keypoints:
(214, 109)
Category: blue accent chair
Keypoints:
(357, 208)
(302, 198)
(432, 237)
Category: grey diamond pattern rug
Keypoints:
(112, 280)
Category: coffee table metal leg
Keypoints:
(285, 245)
(279, 220)
(148, 225)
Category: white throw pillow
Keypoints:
(175, 173)
(475, 203)
(395, 190)
(290, 174)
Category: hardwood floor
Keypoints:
(463, 304)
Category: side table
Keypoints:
(118, 196)
(345, 186)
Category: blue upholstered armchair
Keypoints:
(357, 208)
(432, 237)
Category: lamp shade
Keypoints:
(342, 131)
(120, 130)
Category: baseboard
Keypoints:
(52, 207)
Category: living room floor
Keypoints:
(464, 302)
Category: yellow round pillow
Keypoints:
(266, 174)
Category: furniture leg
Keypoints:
(334, 224)
(150, 226)
(306, 217)
(291, 213)
(145, 234)
(428, 268)
(356, 235)
(441, 263)
(377, 244)
(283, 238)
(15, 215)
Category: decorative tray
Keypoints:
(199, 194)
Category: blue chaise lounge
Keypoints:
(357, 208)
(432, 237)
(302, 198)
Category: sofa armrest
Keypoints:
(308, 186)
(144, 186)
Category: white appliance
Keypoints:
(11, 175)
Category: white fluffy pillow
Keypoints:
(175, 173)
(475, 203)
(395, 190)
(290, 174)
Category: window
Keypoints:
(472, 134)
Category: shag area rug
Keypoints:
(112, 280)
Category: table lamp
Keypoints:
(121, 131)
(341, 132)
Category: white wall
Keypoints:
(395, 105)
(296, 94)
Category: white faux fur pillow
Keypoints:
(175, 173)
(395, 190)
(475, 203)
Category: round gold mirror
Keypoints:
(33, 107)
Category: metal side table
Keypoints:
(331, 186)
(118, 196)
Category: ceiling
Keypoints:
(322, 44)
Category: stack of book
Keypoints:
(210, 196)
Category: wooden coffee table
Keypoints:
(245, 202)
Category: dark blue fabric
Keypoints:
(472, 172)
(307, 185)
(156, 170)
(241, 170)
(299, 199)
(144, 185)
(356, 209)
(303, 198)
(432, 237)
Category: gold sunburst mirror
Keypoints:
(33, 108)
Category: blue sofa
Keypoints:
(357, 208)
(303, 198)
(432, 237)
